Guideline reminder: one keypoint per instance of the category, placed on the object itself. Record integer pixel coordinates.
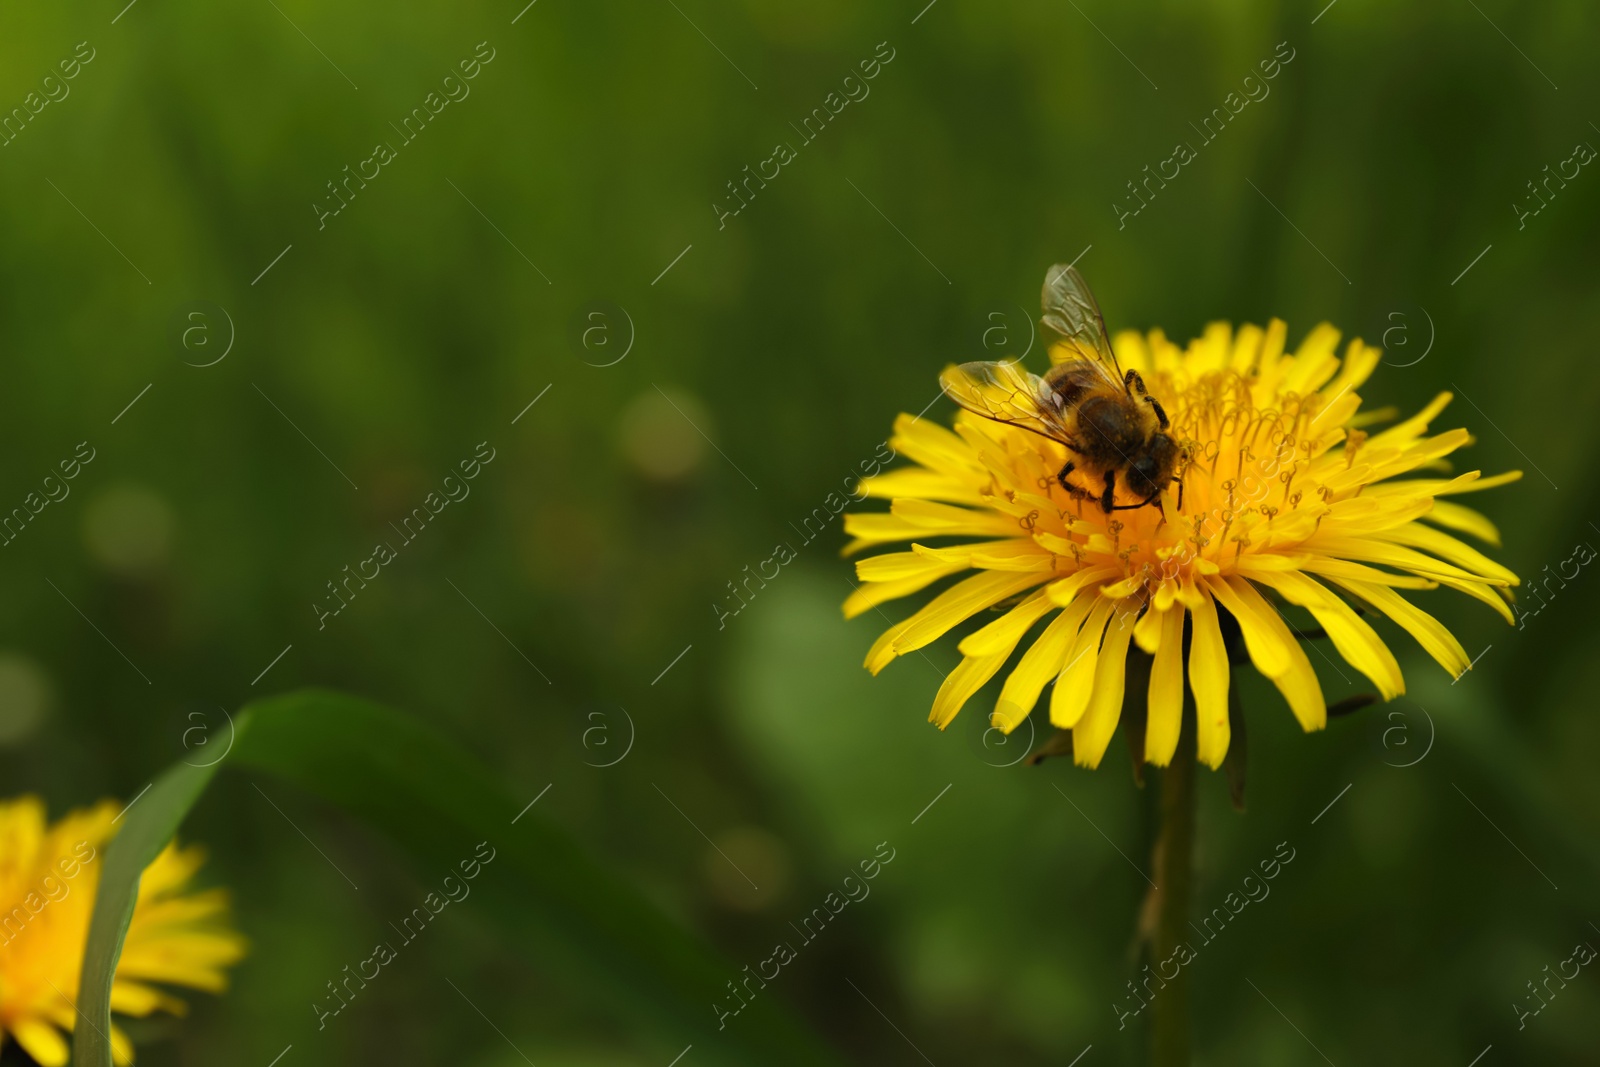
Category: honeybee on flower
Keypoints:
(1142, 493)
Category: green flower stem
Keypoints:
(1174, 871)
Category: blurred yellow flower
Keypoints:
(48, 878)
(1282, 494)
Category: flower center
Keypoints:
(1249, 481)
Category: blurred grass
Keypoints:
(409, 330)
(546, 900)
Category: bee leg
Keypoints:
(1149, 501)
(1180, 493)
(1108, 499)
(1074, 491)
(1133, 382)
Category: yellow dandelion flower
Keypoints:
(48, 878)
(1278, 496)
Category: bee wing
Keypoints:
(1070, 312)
(1005, 393)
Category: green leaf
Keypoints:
(556, 905)
(147, 825)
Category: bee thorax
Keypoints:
(1112, 433)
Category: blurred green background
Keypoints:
(415, 325)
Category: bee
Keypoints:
(1106, 419)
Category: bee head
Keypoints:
(1144, 473)
(1152, 468)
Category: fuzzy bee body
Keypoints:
(1107, 420)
